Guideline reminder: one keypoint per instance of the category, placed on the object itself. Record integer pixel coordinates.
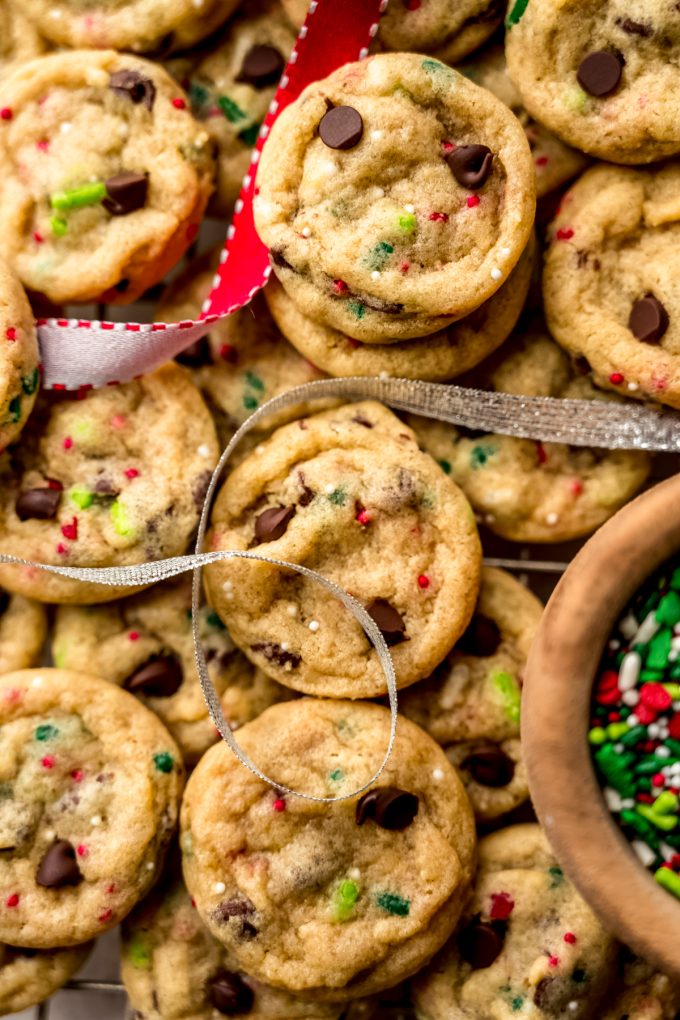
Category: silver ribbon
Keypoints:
(576, 422)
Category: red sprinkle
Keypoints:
(106, 916)
(658, 779)
(448, 147)
(439, 217)
(179, 103)
(6, 113)
(52, 483)
(117, 422)
(472, 201)
(646, 714)
(541, 455)
(564, 234)
(413, 5)
(37, 237)
(674, 727)
(542, 161)
(655, 696)
(228, 353)
(616, 378)
(13, 900)
(70, 531)
(133, 635)
(111, 889)
(363, 516)
(82, 850)
(279, 804)
(47, 762)
(131, 473)
(553, 961)
(502, 905)
(43, 145)
(11, 333)
(645, 798)
(340, 287)
(405, 266)
(576, 487)
(423, 581)
(570, 937)
(68, 443)
(77, 775)
(61, 549)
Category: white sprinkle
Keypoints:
(676, 706)
(228, 586)
(259, 449)
(375, 275)
(629, 671)
(614, 645)
(306, 232)
(552, 518)
(409, 208)
(123, 129)
(627, 803)
(55, 14)
(219, 888)
(37, 681)
(96, 820)
(504, 252)
(203, 450)
(292, 610)
(313, 626)
(666, 850)
(630, 698)
(49, 835)
(329, 167)
(628, 626)
(653, 731)
(619, 748)
(150, 866)
(496, 273)
(329, 488)
(438, 775)
(197, 4)
(644, 852)
(65, 127)
(633, 386)
(646, 630)
(633, 720)
(573, 1005)
(613, 798)
(354, 873)
(375, 135)
(285, 646)
(383, 375)
(662, 752)
(673, 655)
(229, 596)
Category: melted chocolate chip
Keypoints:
(389, 807)
(480, 942)
(59, 866)
(273, 523)
(341, 127)
(37, 504)
(275, 653)
(229, 994)
(489, 766)
(307, 494)
(471, 165)
(600, 72)
(648, 319)
(389, 621)
(630, 27)
(160, 677)
(135, 86)
(482, 637)
(126, 193)
(262, 66)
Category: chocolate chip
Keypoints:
(470, 165)
(482, 637)
(489, 766)
(389, 807)
(389, 621)
(229, 994)
(273, 523)
(37, 504)
(600, 72)
(262, 66)
(59, 866)
(480, 942)
(361, 420)
(630, 27)
(275, 653)
(307, 494)
(341, 127)
(135, 86)
(160, 677)
(648, 319)
(126, 193)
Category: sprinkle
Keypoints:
(131, 473)
(78, 198)
(45, 731)
(203, 450)
(96, 820)
(552, 518)
(6, 113)
(67, 443)
(106, 916)
(164, 762)
(11, 333)
(437, 775)
(423, 582)
(375, 275)
(570, 938)
(37, 237)
(118, 421)
(219, 888)
(340, 287)
(553, 961)
(472, 201)
(616, 378)
(48, 761)
(179, 103)
(395, 904)
(82, 850)
(70, 531)
(439, 217)
(313, 626)
(502, 905)
(12, 900)
(496, 274)
(292, 610)
(564, 234)
(279, 805)
(410, 208)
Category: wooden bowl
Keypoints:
(576, 625)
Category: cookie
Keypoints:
(436, 358)
(471, 703)
(611, 294)
(643, 993)
(29, 976)
(19, 39)
(243, 362)
(395, 197)
(113, 479)
(554, 162)
(346, 493)
(104, 175)
(605, 77)
(19, 357)
(90, 784)
(528, 943)
(172, 967)
(525, 490)
(333, 901)
(147, 26)
(23, 629)
(145, 644)
(231, 88)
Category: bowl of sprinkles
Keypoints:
(601, 723)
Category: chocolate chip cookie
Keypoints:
(23, 629)
(29, 976)
(19, 372)
(612, 297)
(115, 478)
(471, 703)
(348, 494)
(104, 175)
(332, 901)
(395, 197)
(90, 788)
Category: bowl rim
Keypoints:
(563, 661)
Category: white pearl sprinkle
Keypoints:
(496, 273)
(285, 646)
(292, 610)
(56, 14)
(203, 450)
(306, 232)
(627, 803)
(633, 386)
(329, 488)
(37, 681)
(354, 873)
(573, 1006)
(259, 449)
(375, 275)
(375, 135)
(49, 835)
(632, 720)
(653, 730)
(619, 748)
(150, 866)
(219, 888)
(96, 820)
(313, 626)
(438, 775)
(65, 127)
(662, 752)
(630, 698)
(504, 252)
(552, 518)
(228, 586)
(409, 208)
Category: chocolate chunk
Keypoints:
(389, 621)
(648, 319)
(135, 86)
(480, 942)
(341, 127)
(389, 807)
(262, 66)
(229, 994)
(126, 193)
(630, 27)
(471, 165)
(37, 504)
(160, 677)
(600, 72)
(489, 766)
(59, 866)
(482, 637)
(275, 653)
(273, 523)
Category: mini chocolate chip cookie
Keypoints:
(90, 788)
(145, 644)
(331, 901)
(113, 479)
(23, 629)
(104, 175)
(29, 976)
(526, 490)
(395, 197)
(348, 494)
(471, 703)
(611, 293)
(19, 372)
(605, 77)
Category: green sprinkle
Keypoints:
(29, 383)
(652, 675)
(337, 497)
(77, 198)
(393, 904)
(516, 12)
(164, 762)
(58, 225)
(480, 455)
(643, 829)
(597, 735)
(213, 620)
(675, 579)
(668, 611)
(139, 953)
(659, 650)
(631, 738)
(231, 110)
(378, 256)
(250, 402)
(120, 518)
(198, 94)
(14, 409)
(336, 775)
(665, 822)
(508, 688)
(575, 98)
(434, 66)
(516, 1003)
(445, 466)
(46, 732)
(82, 498)
(407, 222)
(357, 309)
(344, 900)
(557, 876)
(254, 382)
(249, 135)
(667, 878)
